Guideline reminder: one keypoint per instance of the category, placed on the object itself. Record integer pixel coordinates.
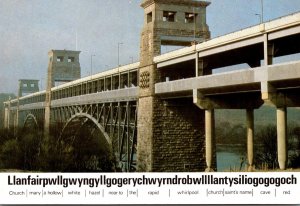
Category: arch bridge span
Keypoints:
(108, 100)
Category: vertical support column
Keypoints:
(209, 138)
(120, 86)
(128, 80)
(268, 51)
(6, 113)
(20, 93)
(111, 82)
(282, 137)
(16, 123)
(119, 127)
(200, 64)
(9, 113)
(47, 113)
(128, 138)
(250, 135)
(15, 116)
(49, 85)
(111, 119)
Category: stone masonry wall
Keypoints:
(178, 136)
(145, 134)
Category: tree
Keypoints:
(10, 156)
(267, 150)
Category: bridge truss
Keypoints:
(115, 122)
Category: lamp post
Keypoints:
(262, 10)
(119, 44)
(41, 89)
(92, 63)
(260, 17)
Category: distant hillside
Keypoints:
(264, 116)
(3, 98)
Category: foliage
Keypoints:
(265, 143)
(295, 145)
(230, 134)
(267, 150)
(86, 150)
(28, 149)
(29, 145)
(10, 155)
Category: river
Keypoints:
(229, 157)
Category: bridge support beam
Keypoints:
(250, 136)
(282, 137)
(209, 138)
(6, 118)
(7, 114)
(268, 51)
(47, 120)
(16, 121)
(272, 97)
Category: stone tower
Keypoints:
(28, 86)
(63, 66)
(166, 22)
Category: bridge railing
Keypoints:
(114, 79)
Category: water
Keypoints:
(229, 156)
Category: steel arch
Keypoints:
(28, 117)
(79, 115)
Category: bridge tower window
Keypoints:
(169, 16)
(60, 59)
(190, 17)
(71, 59)
(149, 17)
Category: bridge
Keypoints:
(158, 114)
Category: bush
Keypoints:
(295, 145)
(295, 161)
(29, 145)
(85, 152)
(10, 156)
(267, 150)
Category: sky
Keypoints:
(31, 28)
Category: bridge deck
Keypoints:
(276, 29)
(282, 76)
(128, 94)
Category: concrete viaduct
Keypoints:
(158, 114)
